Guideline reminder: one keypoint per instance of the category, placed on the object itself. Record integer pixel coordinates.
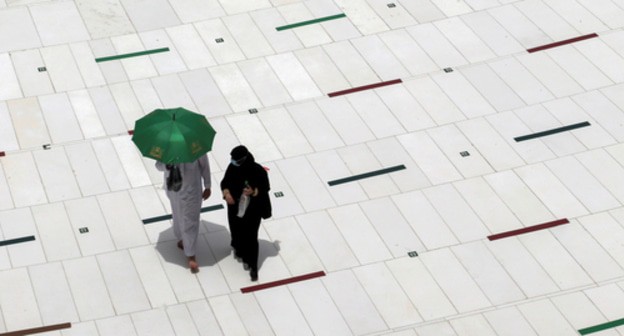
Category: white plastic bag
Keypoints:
(242, 205)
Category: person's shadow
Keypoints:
(213, 245)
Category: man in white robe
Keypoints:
(186, 203)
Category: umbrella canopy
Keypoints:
(173, 135)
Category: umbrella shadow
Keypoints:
(209, 254)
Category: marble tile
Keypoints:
(426, 295)
(464, 95)
(545, 318)
(152, 322)
(583, 70)
(147, 95)
(85, 212)
(28, 122)
(465, 40)
(392, 227)
(17, 29)
(281, 41)
(312, 122)
(568, 113)
(452, 8)
(362, 16)
(556, 260)
(10, 87)
(55, 232)
(235, 87)
(319, 309)
(425, 220)
(509, 321)
(602, 56)
(456, 213)
(119, 325)
(123, 222)
(489, 143)
(327, 241)
(521, 27)
(293, 76)
(492, 87)
(150, 16)
(250, 131)
(211, 278)
(605, 169)
(282, 312)
(113, 71)
(63, 70)
(60, 119)
(330, 166)
(172, 92)
(32, 81)
(389, 152)
(51, 290)
(196, 10)
(491, 277)
(181, 320)
(6, 201)
(83, 55)
(108, 111)
(452, 143)
(56, 174)
(431, 97)
(338, 30)
(59, 22)
(204, 318)
(605, 230)
(248, 36)
(521, 81)
(105, 18)
(360, 234)
(375, 114)
(110, 164)
(443, 53)
(423, 10)
(223, 52)
(131, 161)
(285, 132)
(138, 67)
(578, 16)
(602, 110)
(165, 62)
(16, 224)
(435, 329)
(310, 190)
(605, 298)
(88, 288)
(345, 120)
(456, 282)
(551, 191)
(588, 252)
(394, 17)
(186, 287)
(472, 325)
(23, 179)
(123, 283)
(264, 81)
(509, 126)
(492, 33)
(429, 158)
(19, 303)
(8, 139)
(547, 20)
(189, 44)
(405, 48)
(387, 295)
(352, 65)
(380, 58)
(251, 314)
(83, 328)
(405, 108)
(294, 247)
(361, 160)
(607, 11)
(86, 114)
(579, 311)
(322, 69)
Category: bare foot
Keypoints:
(193, 265)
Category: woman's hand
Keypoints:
(248, 191)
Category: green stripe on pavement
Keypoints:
(139, 53)
(309, 22)
(602, 327)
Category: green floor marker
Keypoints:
(309, 22)
(602, 327)
(140, 53)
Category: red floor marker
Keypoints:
(560, 43)
(2, 154)
(131, 132)
(37, 330)
(283, 282)
(365, 87)
(528, 229)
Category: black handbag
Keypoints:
(174, 181)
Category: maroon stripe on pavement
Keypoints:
(283, 282)
(131, 132)
(2, 153)
(37, 330)
(365, 87)
(529, 229)
(560, 43)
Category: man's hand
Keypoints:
(206, 193)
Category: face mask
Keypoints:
(238, 162)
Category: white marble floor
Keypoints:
(403, 250)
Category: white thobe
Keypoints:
(186, 203)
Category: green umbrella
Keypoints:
(173, 135)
